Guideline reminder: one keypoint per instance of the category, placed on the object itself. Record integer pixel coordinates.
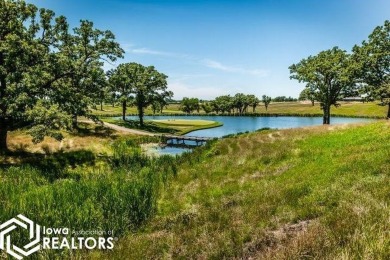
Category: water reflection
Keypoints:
(164, 150)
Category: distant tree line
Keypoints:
(333, 74)
(238, 104)
(284, 99)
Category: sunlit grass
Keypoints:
(90, 137)
(318, 192)
(345, 109)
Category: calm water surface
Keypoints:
(170, 150)
(235, 124)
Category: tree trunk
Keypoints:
(124, 107)
(326, 118)
(3, 136)
(74, 122)
(101, 105)
(254, 108)
(312, 103)
(388, 112)
(3, 111)
(141, 116)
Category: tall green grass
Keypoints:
(310, 193)
(70, 190)
(320, 193)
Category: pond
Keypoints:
(236, 124)
(167, 150)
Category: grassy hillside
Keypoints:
(345, 109)
(319, 192)
(372, 109)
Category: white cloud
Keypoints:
(151, 52)
(219, 66)
(127, 47)
(216, 65)
(130, 48)
(209, 63)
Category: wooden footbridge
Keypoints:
(181, 139)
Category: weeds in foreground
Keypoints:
(73, 190)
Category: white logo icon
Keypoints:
(5, 238)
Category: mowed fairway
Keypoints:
(185, 126)
(184, 122)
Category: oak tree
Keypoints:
(139, 84)
(188, 105)
(253, 102)
(373, 58)
(308, 93)
(84, 53)
(29, 40)
(330, 73)
(266, 100)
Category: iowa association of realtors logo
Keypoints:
(6, 239)
(41, 237)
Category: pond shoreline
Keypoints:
(236, 124)
(249, 115)
(233, 125)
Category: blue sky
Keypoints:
(211, 48)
